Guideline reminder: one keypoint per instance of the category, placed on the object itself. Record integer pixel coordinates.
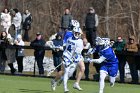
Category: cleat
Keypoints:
(66, 90)
(53, 84)
(59, 82)
(111, 84)
(101, 91)
(76, 86)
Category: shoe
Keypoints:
(101, 91)
(53, 84)
(13, 71)
(59, 82)
(66, 90)
(76, 86)
(111, 84)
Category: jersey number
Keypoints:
(69, 48)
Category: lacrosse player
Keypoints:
(73, 58)
(108, 61)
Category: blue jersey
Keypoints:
(110, 65)
(67, 35)
(109, 55)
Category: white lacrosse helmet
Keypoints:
(102, 41)
(107, 41)
(75, 23)
(77, 32)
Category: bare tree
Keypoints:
(116, 17)
(107, 18)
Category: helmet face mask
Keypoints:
(99, 41)
(102, 42)
(77, 32)
(77, 35)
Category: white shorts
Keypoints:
(70, 69)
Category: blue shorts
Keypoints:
(112, 69)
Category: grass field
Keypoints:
(18, 84)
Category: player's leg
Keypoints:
(72, 69)
(103, 75)
(53, 84)
(68, 73)
(65, 78)
(57, 61)
(61, 79)
(80, 74)
(59, 72)
(112, 73)
(57, 80)
(112, 81)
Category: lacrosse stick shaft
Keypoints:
(58, 65)
(51, 71)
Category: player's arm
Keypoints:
(100, 60)
(91, 51)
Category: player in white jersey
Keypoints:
(72, 57)
(108, 61)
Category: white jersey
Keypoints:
(73, 50)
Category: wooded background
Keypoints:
(116, 17)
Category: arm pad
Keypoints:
(100, 60)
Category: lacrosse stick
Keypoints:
(52, 70)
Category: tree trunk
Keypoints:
(132, 19)
(139, 25)
(107, 18)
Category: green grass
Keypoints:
(17, 84)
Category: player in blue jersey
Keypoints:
(108, 61)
